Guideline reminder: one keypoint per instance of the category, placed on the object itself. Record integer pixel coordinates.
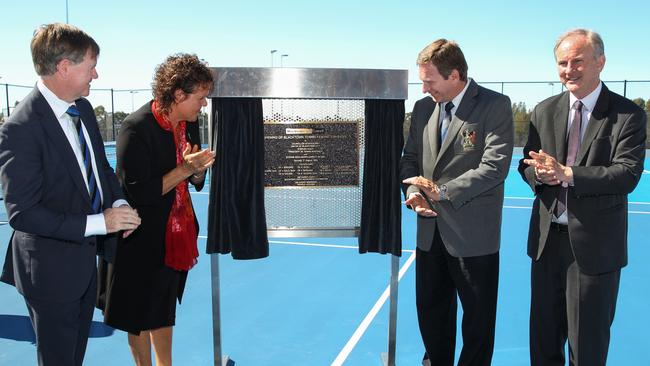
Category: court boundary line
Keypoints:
(365, 323)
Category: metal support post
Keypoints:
(219, 359)
(388, 359)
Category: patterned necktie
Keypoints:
(445, 123)
(95, 200)
(573, 145)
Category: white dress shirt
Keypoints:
(588, 105)
(95, 224)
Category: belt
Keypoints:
(559, 227)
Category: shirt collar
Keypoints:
(458, 98)
(588, 102)
(59, 106)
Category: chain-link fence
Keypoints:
(113, 105)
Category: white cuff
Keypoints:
(95, 225)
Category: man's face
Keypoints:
(79, 76)
(440, 89)
(578, 67)
(188, 106)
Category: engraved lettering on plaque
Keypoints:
(311, 154)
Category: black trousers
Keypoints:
(567, 303)
(62, 328)
(440, 278)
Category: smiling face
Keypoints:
(578, 66)
(440, 89)
(79, 76)
(188, 106)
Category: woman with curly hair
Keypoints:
(158, 155)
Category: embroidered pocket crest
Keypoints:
(469, 139)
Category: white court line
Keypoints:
(316, 244)
(365, 323)
(519, 207)
(519, 198)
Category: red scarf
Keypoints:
(181, 252)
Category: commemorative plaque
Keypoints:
(311, 154)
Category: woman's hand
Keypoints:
(196, 161)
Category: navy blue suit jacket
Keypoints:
(47, 202)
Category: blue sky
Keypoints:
(502, 40)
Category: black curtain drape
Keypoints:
(236, 216)
(381, 208)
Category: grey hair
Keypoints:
(593, 38)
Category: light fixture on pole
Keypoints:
(282, 58)
(272, 52)
(132, 92)
(551, 84)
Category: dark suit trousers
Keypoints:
(439, 278)
(62, 328)
(569, 303)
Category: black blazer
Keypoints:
(47, 201)
(608, 167)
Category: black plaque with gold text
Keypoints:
(311, 154)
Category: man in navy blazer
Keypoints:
(52, 253)
(584, 155)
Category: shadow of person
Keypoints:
(19, 328)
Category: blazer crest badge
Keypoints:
(469, 139)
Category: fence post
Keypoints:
(7, 95)
(113, 114)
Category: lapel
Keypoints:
(60, 142)
(560, 120)
(433, 130)
(596, 122)
(462, 114)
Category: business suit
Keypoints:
(472, 162)
(590, 251)
(51, 261)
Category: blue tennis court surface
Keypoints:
(318, 302)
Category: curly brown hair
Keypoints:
(180, 71)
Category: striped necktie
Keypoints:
(93, 191)
(573, 145)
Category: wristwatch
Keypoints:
(442, 189)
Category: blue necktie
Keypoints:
(93, 191)
(445, 123)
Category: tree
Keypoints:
(100, 114)
(640, 102)
(521, 118)
(407, 125)
(647, 105)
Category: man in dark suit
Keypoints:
(584, 155)
(455, 161)
(60, 193)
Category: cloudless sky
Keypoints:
(502, 40)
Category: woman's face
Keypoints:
(188, 106)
